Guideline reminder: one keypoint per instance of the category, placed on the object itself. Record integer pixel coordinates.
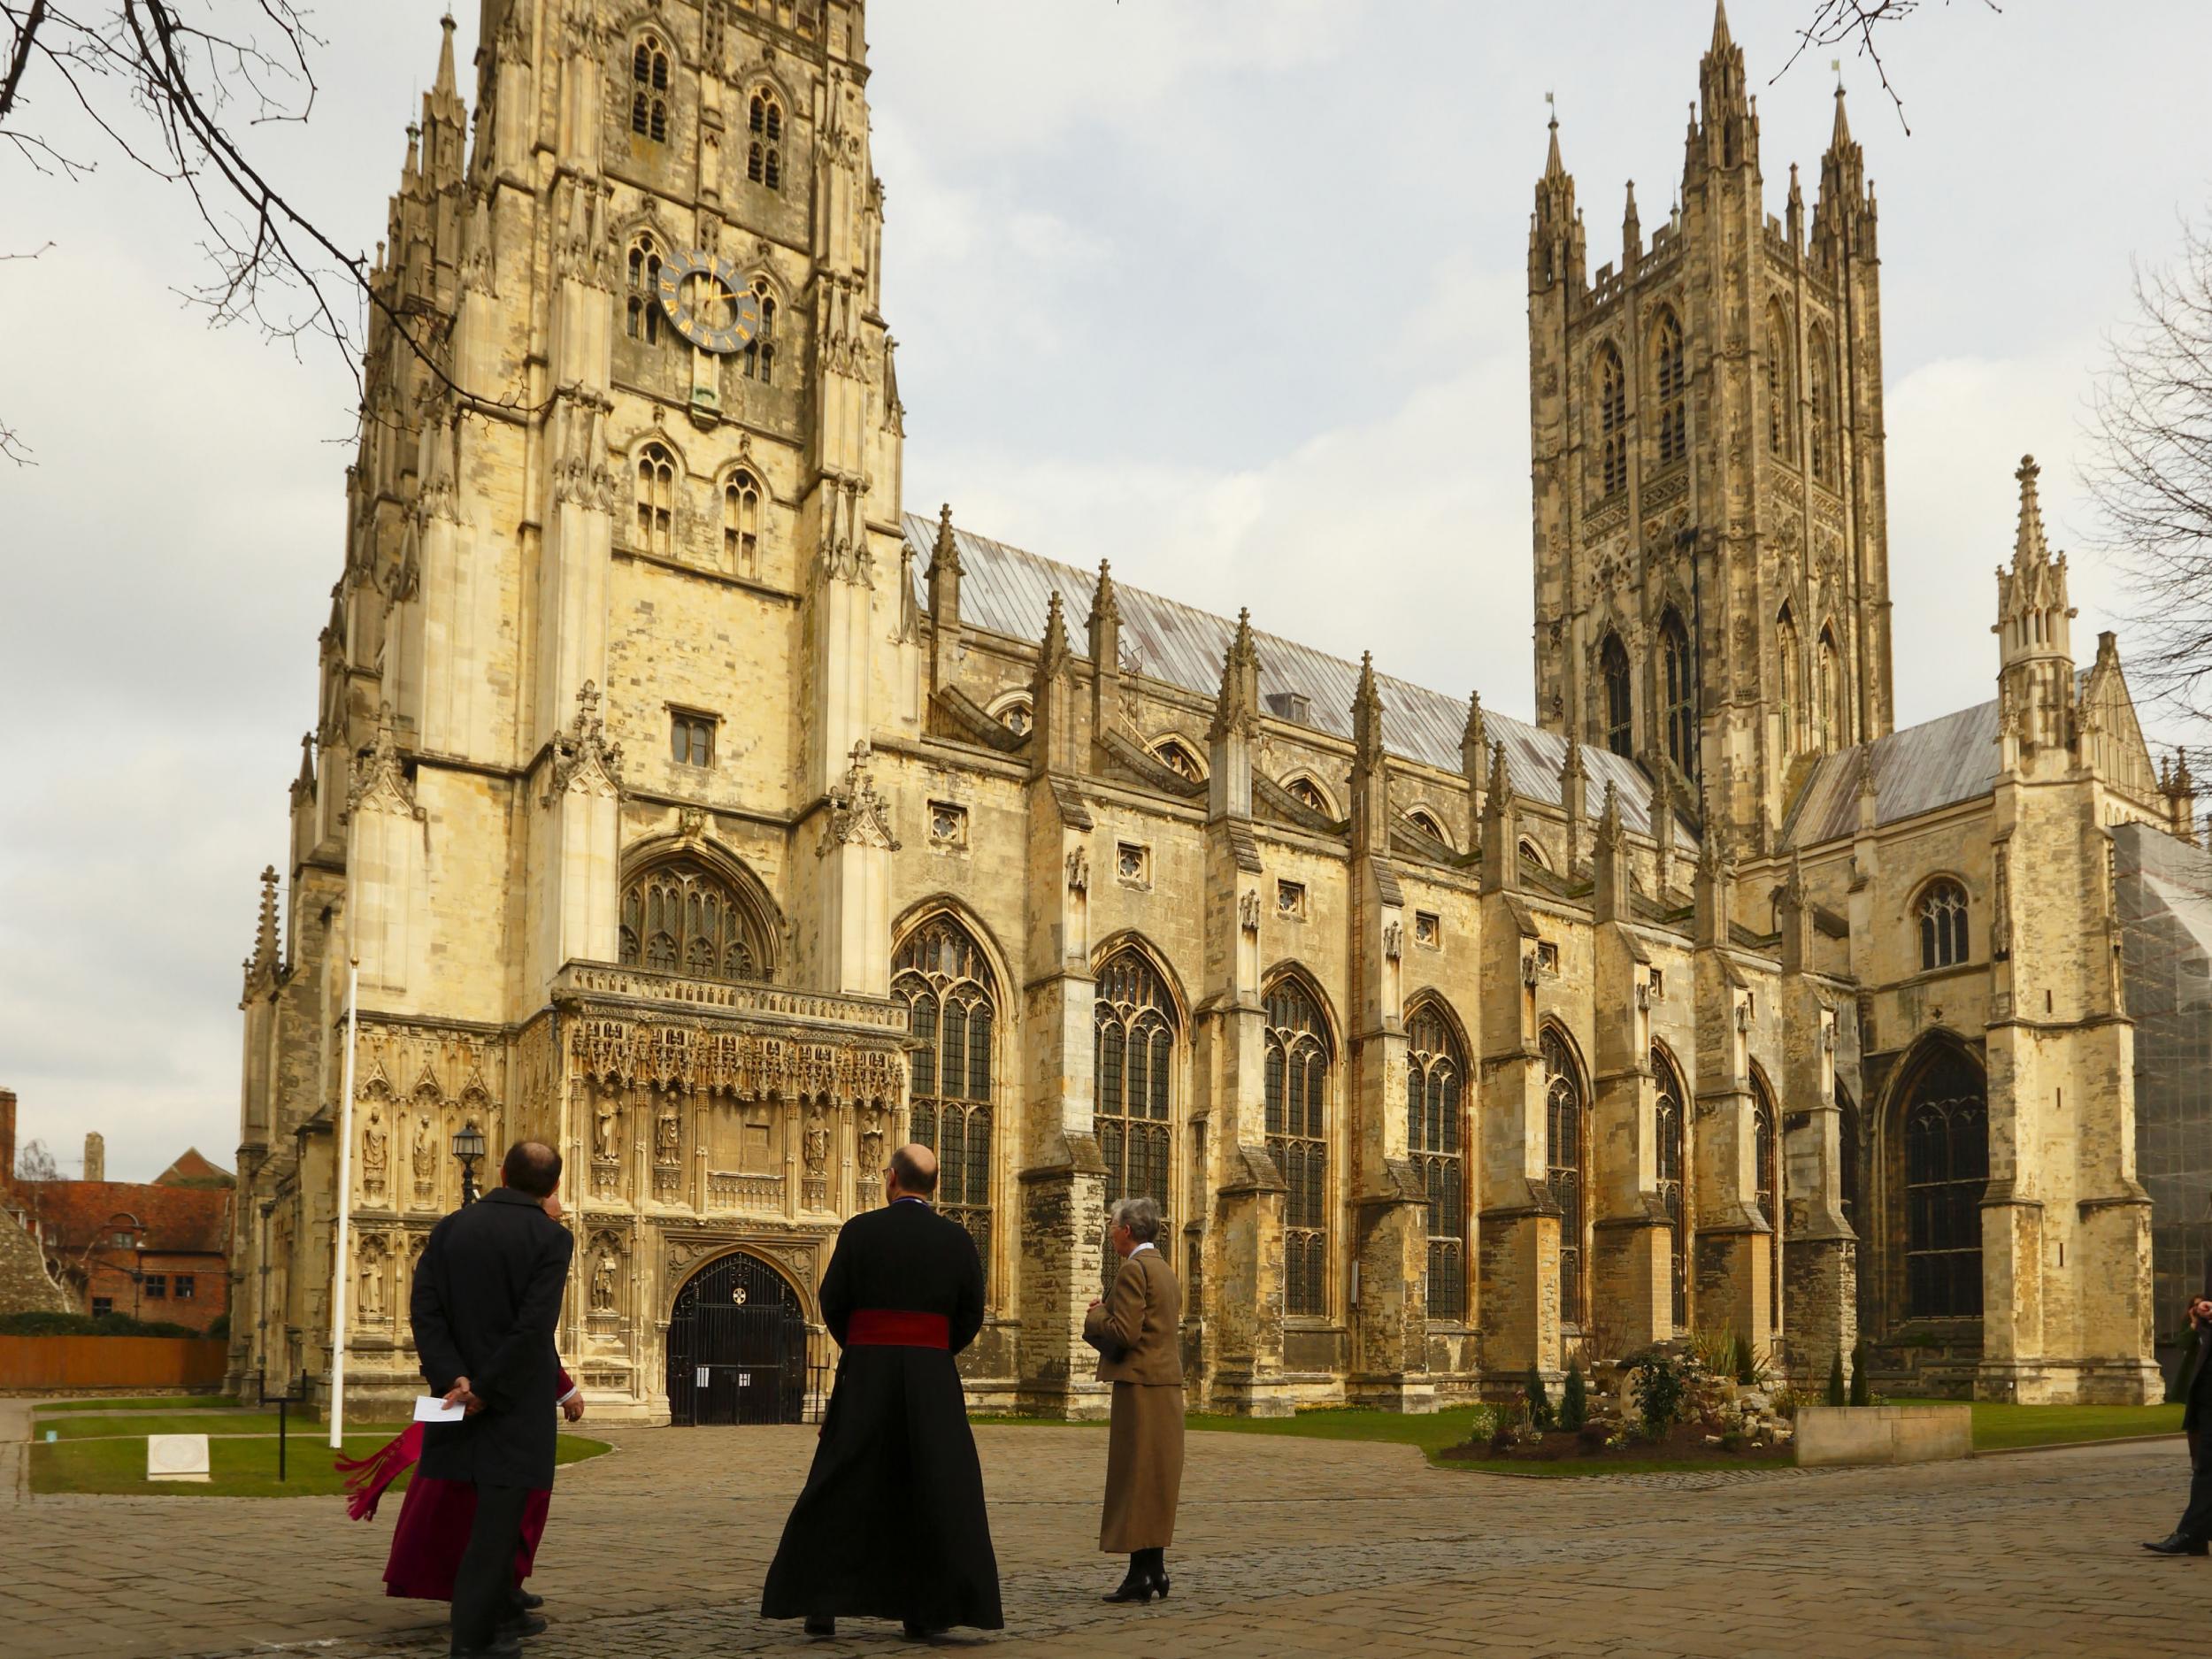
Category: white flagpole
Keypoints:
(342, 1273)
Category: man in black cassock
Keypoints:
(486, 1298)
(891, 1524)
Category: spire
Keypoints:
(1053, 651)
(1721, 39)
(444, 84)
(1105, 624)
(1367, 709)
(2028, 545)
(1472, 751)
(1839, 139)
(1555, 232)
(1237, 710)
(944, 556)
(264, 938)
(1631, 231)
(1105, 602)
(1554, 170)
(1500, 828)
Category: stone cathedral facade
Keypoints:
(689, 804)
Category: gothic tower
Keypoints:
(1710, 553)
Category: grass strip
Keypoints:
(238, 1468)
(167, 1403)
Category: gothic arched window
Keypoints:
(1673, 385)
(1177, 759)
(1766, 1132)
(1679, 687)
(764, 150)
(940, 973)
(656, 498)
(1308, 793)
(1426, 823)
(1672, 1114)
(1436, 1078)
(740, 522)
(1781, 384)
(1297, 1096)
(642, 316)
(1820, 383)
(1942, 912)
(1947, 1168)
(649, 89)
(1830, 714)
(1612, 389)
(1785, 672)
(1848, 1158)
(1133, 1028)
(682, 917)
(1620, 735)
(1564, 1149)
(758, 359)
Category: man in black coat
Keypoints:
(2194, 1528)
(891, 1524)
(486, 1299)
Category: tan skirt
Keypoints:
(1144, 1468)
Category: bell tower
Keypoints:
(1711, 568)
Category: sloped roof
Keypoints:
(75, 1214)
(194, 1169)
(1919, 769)
(1008, 591)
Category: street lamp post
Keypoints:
(468, 1146)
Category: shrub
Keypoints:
(1574, 1400)
(1661, 1383)
(40, 1323)
(1714, 1352)
(1836, 1395)
(1540, 1413)
(1749, 1371)
(220, 1325)
(1731, 1440)
(1594, 1437)
(1862, 1391)
(1501, 1440)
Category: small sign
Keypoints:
(176, 1457)
(701, 1381)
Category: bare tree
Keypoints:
(2150, 471)
(1854, 23)
(34, 1162)
(171, 85)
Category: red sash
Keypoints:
(889, 1327)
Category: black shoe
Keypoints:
(527, 1602)
(914, 1630)
(1159, 1586)
(1131, 1589)
(521, 1624)
(820, 1625)
(498, 1648)
(2177, 1544)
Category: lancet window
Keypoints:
(649, 89)
(682, 917)
(1766, 1131)
(1436, 1077)
(740, 522)
(1781, 384)
(1942, 911)
(1566, 1142)
(764, 150)
(1612, 389)
(1133, 1029)
(1679, 687)
(1298, 1055)
(758, 359)
(1834, 722)
(641, 316)
(1620, 734)
(1785, 676)
(656, 498)
(943, 976)
(1820, 382)
(1671, 1111)
(1673, 385)
(1947, 1169)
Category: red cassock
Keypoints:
(435, 1517)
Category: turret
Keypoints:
(2033, 628)
(1554, 236)
(1725, 129)
(1236, 717)
(1843, 217)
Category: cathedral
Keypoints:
(680, 798)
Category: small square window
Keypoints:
(1548, 956)
(102, 1304)
(1428, 930)
(184, 1287)
(1132, 864)
(1658, 985)
(157, 1286)
(691, 738)
(948, 826)
(1290, 899)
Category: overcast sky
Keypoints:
(1232, 294)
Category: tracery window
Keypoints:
(1620, 735)
(1781, 384)
(1767, 1172)
(1672, 1114)
(1947, 1169)
(1017, 716)
(952, 1001)
(740, 522)
(1673, 383)
(681, 918)
(1428, 825)
(1297, 1095)
(1436, 1074)
(1612, 384)
(758, 359)
(763, 151)
(649, 89)
(1819, 381)
(1834, 726)
(1679, 687)
(1133, 1053)
(656, 498)
(1308, 793)
(1177, 759)
(1942, 911)
(641, 316)
(1564, 1111)
(1786, 668)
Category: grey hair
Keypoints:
(1140, 1215)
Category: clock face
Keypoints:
(708, 301)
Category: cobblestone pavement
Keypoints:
(1289, 1548)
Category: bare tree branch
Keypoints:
(1852, 22)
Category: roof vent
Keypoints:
(1291, 705)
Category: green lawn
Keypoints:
(238, 1468)
(89, 1427)
(168, 1402)
(1432, 1433)
(2001, 1427)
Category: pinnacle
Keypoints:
(2028, 546)
(1721, 39)
(1554, 168)
(445, 57)
(1840, 139)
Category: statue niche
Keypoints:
(745, 1153)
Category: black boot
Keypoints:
(820, 1625)
(2177, 1544)
(1156, 1569)
(1136, 1586)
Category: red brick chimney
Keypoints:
(7, 1138)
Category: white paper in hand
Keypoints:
(432, 1408)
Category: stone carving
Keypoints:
(609, 1128)
(859, 815)
(425, 1159)
(371, 1297)
(1079, 871)
(373, 1154)
(1249, 910)
(583, 759)
(379, 780)
(816, 1143)
(691, 822)
(602, 1282)
(1394, 939)
(666, 1135)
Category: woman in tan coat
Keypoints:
(1137, 1331)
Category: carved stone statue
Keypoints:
(603, 1283)
(817, 1143)
(610, 1145)
(665, 1137)
(372, 1154)
(371, 1284)
(426, 1154)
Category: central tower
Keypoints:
(1712, 572)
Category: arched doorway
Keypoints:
(737, 1345)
